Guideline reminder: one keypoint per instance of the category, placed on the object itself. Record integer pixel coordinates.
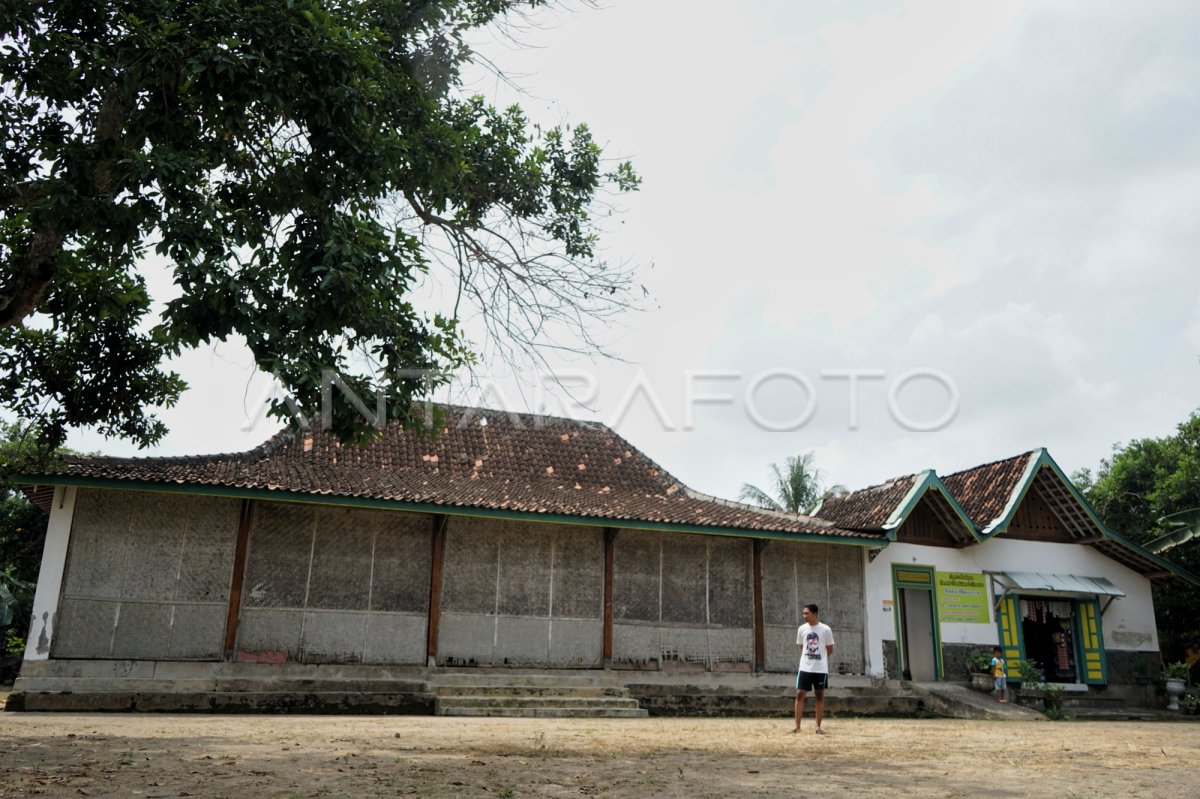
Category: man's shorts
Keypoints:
(811, 681)
(1001, 684)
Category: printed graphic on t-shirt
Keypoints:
(812, 646)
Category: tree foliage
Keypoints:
(22, 535)
(301, 165)
(796, 488)
(1143, 481)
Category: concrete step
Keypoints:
(1111, 703)
(516, 690)
(958, 700)
(533, 702)
(513, 680)
(546, 712)
(1073, 701)
(222, 702)
(155, 685)
(712, 704)
(557, 694)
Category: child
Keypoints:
(1000, 674)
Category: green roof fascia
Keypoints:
(914, 496)
(1045, 460)
(447, 510)
(1017, 497)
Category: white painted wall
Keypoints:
(50, 576)
(1128, 623)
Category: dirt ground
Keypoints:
(60, 755)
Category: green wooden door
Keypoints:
(1094, 669)
(1012, 643)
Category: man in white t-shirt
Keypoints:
(816, 642)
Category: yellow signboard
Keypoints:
(962, 597)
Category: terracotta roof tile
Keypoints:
(867, 508)
(984, 491)
(478, 459)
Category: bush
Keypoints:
(1177, 670)
(1029, 672)
(979, 662)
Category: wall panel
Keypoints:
(335, 585)
(683, 601)
(522, 594)
(147, 575)
(829, 575)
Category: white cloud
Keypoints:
(1005, 191)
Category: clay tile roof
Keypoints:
(867, 508)
(479, 459)
(984, 491)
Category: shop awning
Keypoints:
(1058, 584)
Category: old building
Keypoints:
(523, 541)
(1006, 552)
(504, 540)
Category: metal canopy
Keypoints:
(1060, 584)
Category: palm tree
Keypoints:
(797, 487)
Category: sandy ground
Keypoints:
(359, 756)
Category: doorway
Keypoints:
(917, 639)
(1048, 629)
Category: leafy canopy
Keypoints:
(22, 536)
(301, 164)
(1142, 482)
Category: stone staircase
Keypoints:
(483, 692)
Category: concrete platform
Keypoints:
(149, 686)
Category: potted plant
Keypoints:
(979, 663)
(1052, 696)
(1175, 676)
(1028, 675)
(1190, 705)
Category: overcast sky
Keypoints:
(989, 210)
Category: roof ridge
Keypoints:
(268, 447)
(992, 463)
(885, 484)
(778, 514)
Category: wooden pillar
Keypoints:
(760, 643)
(435, 589)
(610, 538)
(239, 574)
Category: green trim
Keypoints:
(448, 510)
(913, 498)
(899, 585)
(1175, 569)
(1044, 461)
(972, 528)
(900, 514)
(1016, 498)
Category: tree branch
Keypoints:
(28, 287)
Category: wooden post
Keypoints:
(760, 642)
(239, 573)
(435, 588)
(610, 538)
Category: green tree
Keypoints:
(302, 165)
(1143, 481)
(22, 535)
(797, 487)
